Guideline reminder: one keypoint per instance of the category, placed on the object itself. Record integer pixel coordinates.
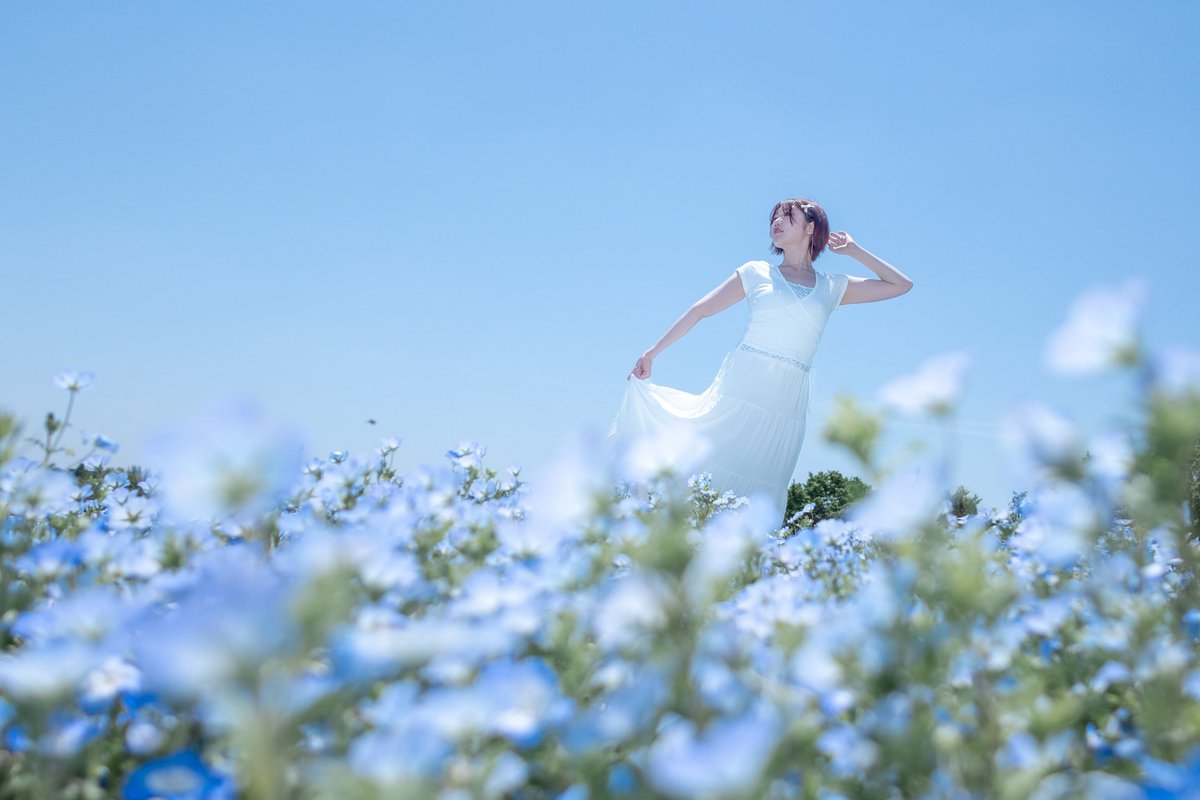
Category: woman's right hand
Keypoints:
(642, 368)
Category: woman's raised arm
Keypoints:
(716, 301)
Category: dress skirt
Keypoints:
(752, 417)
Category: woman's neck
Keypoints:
(805, 267)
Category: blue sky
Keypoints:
(467, 221)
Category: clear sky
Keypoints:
(466, 221)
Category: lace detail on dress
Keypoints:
(801, 291)
(794, 361)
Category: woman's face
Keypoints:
(789, 227)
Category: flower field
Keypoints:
(245, 621)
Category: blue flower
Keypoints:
(1166, 781)
(232, 461)
(1192, 622)
(180, 776)
(727, 758)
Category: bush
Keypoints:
(830, 493)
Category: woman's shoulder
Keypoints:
(758, 267)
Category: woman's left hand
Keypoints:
(840, 242)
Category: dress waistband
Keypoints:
(788, 359)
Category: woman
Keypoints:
(754, 412)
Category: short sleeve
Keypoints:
(747, 273)
(840, 284)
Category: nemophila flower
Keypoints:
(1190, 686)
(1090, 784)
(108, 680)
(1191, 622)
(719, 686)
(467, 455)
(642, 457)
(507, 773)
(814, 665)
(519, 700)
(72, 380)
(905, 500)
(67, 733)
(758, 609)
(132, 511)
(401, 758)
(542, 535)
(724, 544)
(1163, 780)
(50, 559)
(633, 607)
(179, 776)
(45, 673)
(143, 737)
(564, 491)
(622, 780)
(277, 696)
(1021, 751)
(83, 615)
(1112, 672)
(1100, 330)
(35, 492)
(82, 494)
(1035, 435)
(233, 461)
(1058, 527)
(396, 702)
(365, 654)
(116, 479)
(935, 386)
(1046, 615)
(890, 716)
(235, 615)
(134, 557)
(1161, 656)
(618, 714)
(99, 441)
(374, 558)
(514, 599)
(726, 758)
(848, 749)
(1111, 455)
(388, 445)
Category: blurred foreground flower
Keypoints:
(230, 462)
(1100, 330)
(895, 509)
(73, 381)
(643, 457)
(180, 776)
(934, 387)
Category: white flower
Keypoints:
(73, 381)
(1100, 330)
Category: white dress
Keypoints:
(753, 414)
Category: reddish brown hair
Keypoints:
(810, 212)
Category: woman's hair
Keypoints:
(810, 212)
